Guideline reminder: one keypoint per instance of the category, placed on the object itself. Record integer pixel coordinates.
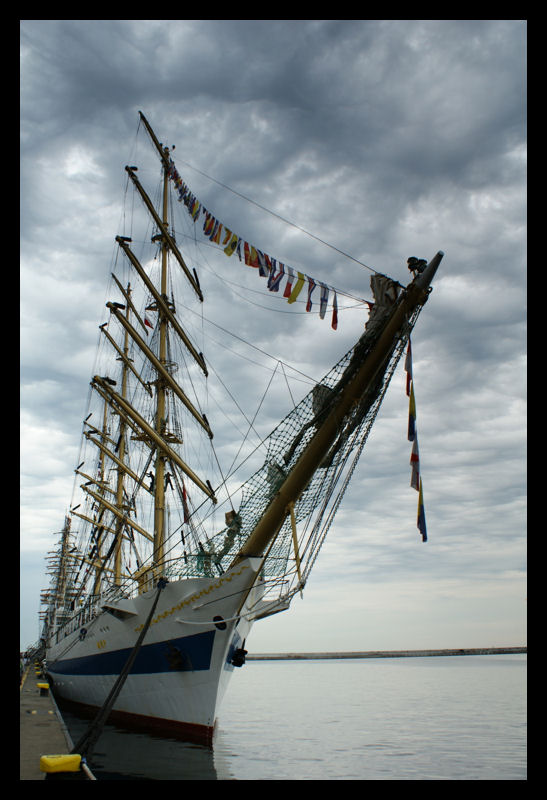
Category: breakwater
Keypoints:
(463, 651)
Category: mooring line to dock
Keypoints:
(87, 741)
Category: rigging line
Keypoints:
(251, 424)
(224, 346)
(86, 743)
(249, 344)
(340, 292)
(359, 301)
(274, 214)
(318, 533)
(287, 382)
(358, 304)
(192, 527)
(198, 507)
(262, 443)
(204, 264)
(235, 403)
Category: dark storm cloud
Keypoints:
(386, 138)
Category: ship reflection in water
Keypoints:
(125, 755)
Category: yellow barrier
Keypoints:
(60, 763)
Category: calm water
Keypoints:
(445, 718)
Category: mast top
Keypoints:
(163, 151)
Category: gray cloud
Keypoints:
(385, 138)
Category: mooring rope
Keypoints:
(87, 741)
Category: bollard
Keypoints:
(44, 689)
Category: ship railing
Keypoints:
(68, 624)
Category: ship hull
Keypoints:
(183, 667)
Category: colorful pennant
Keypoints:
(421, 515)
(415, 477)
(267, 266)
(415, 464)
(408, 368)
(411, 415)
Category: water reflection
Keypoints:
(120, 754)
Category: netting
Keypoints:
(287, 564)
(317, 504)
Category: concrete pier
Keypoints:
(41, 730)
(469, 651)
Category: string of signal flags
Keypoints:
(274, 271)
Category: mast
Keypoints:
(164, 380)
(60, 591)
(159, 434)
(161, 392)
(100, 511)
(61, 588)
(364, 374)
(290, 483)
(121, 450)
(164, 155)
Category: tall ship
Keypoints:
(166, 559)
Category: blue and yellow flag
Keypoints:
(411, 415)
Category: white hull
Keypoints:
(183, 666)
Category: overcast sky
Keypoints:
(383, 138)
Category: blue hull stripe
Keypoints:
(187, 654)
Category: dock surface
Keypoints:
(469, 651)
(40, 728)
